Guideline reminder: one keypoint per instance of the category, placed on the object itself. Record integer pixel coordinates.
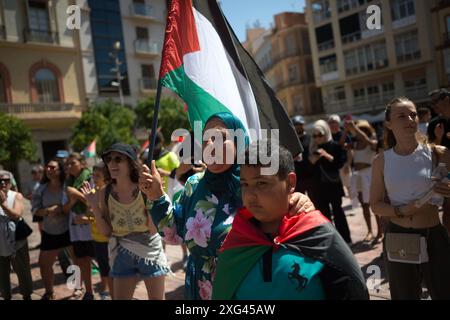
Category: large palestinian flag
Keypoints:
(206, 65)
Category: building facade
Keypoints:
(41, 73)
(360, 69)
(283, 54)
(440, 11)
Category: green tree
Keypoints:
(171, 115)
(15, 142)
(106, 122)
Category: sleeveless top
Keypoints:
(10, 197)
(407, 178)
(128, 218)
(365, 155)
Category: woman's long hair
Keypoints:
(62, 174)
(388, 136)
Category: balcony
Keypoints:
(408, 57)
(403, 22)
(146, 47)
(330, 76)
(417, 92)
(325, 45)
(351, 37)
(143, 11)
(320, 16)
(441, 5)
(20, 108)
(147, 84)
(42, 36)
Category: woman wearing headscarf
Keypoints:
(327, 157)
(203, 214)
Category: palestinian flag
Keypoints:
(90, 150)
(308, 234)
(206, 65)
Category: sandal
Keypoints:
(48, 296)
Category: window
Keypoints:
(305, 42)
(366, 58)
(46, 86)
(293, 73)
(446, 53)
(321, 10)
(328, 64)
(141, 33)
(388, 87)
(38, 16)
(290, 44)
(297, 104)
(324, 37)
(407, 47)
(402, 8)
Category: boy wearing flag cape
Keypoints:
(270, 255)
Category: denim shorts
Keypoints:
(126, 265)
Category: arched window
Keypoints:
(46, 86)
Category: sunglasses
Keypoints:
(116, 159)
(52, 167)
(6, 181)
(319, 135)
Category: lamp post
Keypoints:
(116, 69)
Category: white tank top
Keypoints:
(11, 196)
(365, 155)
(407, 178)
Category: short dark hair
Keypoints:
(422, 111)
(134, 172)
(286, 160)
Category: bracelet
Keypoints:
(398, 213)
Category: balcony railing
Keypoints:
(143, 10)
(146, 46)
(408, 57)
(19, 108)
(403, 22)
(44, 36)
(2, 32)
(277, 58)
(147, 84)
(351, 37)
(417, 92)
(320, 16)
(325, 45)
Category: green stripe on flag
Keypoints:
(232, 267)
(201, 105)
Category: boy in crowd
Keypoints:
(270, 255)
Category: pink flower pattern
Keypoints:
(205, 289)
(198, 229)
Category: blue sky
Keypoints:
(241, 13)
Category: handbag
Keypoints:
(23, 230)
(406, 248)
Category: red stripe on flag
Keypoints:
(181, 36)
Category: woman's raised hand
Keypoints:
(150, 182)
(300, 203)
(89, 194)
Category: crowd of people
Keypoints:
(245, 235)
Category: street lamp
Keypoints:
(116, 69)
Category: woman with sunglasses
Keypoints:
(13, 251)
(328, 157)
(53, 201)
(135, 247)
(202, 216)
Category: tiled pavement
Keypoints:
(367, 256)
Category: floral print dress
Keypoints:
(201, 220)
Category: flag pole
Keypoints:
(152, 137)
